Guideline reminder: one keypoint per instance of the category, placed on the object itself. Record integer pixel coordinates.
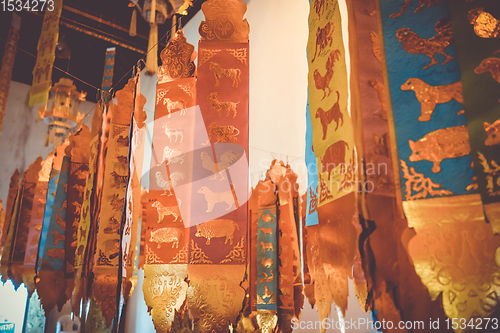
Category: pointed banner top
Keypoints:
(224, 21)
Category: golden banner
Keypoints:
(42, 73)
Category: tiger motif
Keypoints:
(219, 72)
(223, 133)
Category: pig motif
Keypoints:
(217, 228)
(451, 142)
(493, 131)
(334, 155)
(166, 235)
(55, 253)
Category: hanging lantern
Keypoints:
(62, 116)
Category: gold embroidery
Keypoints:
(177, 59)
(166, 211)
(217, 228)
(267, 278)
(151, 257)
(232, 73)
(415, 44)
(223, 106)
(197, 255)
(422, 186)
(428, 96)
(267, 231)
(166, 235)
(485, 24)
(267, 320)
(181, 257)
(240, 54)
(450, 142)
(492, 175)
(224, 21)
(493, 132)
(226, 160)
(267, 263)
(266, 246)
(188, 89)
(213, 198)
(223, 133)
(237, 254)
(206, 55)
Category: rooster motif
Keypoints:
(323, 82)
(175, 177)
(413, 43)
(226, 160)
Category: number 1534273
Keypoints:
(27, 5)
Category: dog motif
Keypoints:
(267, 231)
(429, 96)
(491, 65)
(166, 211)
(221, 106)
(323, 38)
(213, 198)
(333, 113)
(223, 133)
(266, 246)
(178, 133)
(493, 131)
(219, 73)
(413, 43)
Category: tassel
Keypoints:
(133, 24)
(152, 57)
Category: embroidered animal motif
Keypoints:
(119, 180)
(450, 142)
(55, 253)
(123, 160)
(323, 38)
(220, 107)
(60, 222)
(64, 205)
(485, 24)
(334, 156)
(320, 6)
(164, 184)
(428, 96)
(267, 293)
(267, 263)
(223, 133)
(178, 133)
(267, 278)
(166, 235)
(415, 44)
(115, 202)
(123, 140)
(379, 87)
(171, 106)
(166, 211)
(81, 174)
(226, 160)
(217, 228)
(170, 153)
(323, 82)
(267, 218)
(58, 237)
(419, 8)
(213, 198)
(113, 226)
(491, 65)
(381, 145)
(111, 248)
(219, 73)
(376, 45)
(326, 117)
(266, 246)
(493, 131)
(267, 231)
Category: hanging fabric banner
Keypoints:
(312, 175)
(109, 64)
(475, 28)
(51, 285)
(36, 223)
(30, 179)
(9, 206)
(333, 140)
(106, 260)
(42, 72)
(432, 137)
(8, 63)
